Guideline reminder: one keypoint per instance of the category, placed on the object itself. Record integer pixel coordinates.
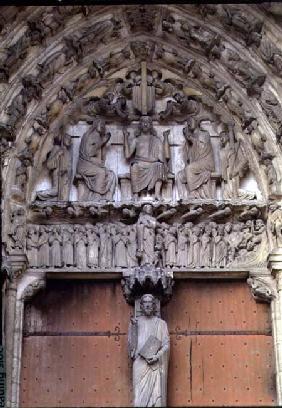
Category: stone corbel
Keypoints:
(263, 288)
(147, 279)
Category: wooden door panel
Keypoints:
(215, 306)
(221, 371)
(81, 371)
(69, 306)
(75, 347)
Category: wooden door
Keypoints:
(75, 347)
(221, 346)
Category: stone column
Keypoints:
(9, 326)
(275, 265)
(14, 266)
(20, 290)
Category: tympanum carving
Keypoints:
(197, 174)
(148, 168)
(95, 180)
(58, 163)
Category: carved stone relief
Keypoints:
(197, 174)
(144, 148)
(138, 107)
(94, 180)
(149, 346)
(58, 163)
(148, 242)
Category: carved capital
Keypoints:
(14, 265)
(147, 279)
(275, 261)
(31, 287)
(263, 288)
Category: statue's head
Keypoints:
(220, 229)
(148, 304)
(223, 138)
(148, 209)
(259, 223)
(67, 140)
(146, 124)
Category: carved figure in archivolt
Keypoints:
(99, 181)
(148, 168)
(59, 166)
(149, 349)
(199, 163)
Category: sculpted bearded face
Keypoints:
(148, 305)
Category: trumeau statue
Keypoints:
(59, 166)
(199, 165)
(148, 168)
(149, 349)
(98, 181)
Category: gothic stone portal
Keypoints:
(141, 144)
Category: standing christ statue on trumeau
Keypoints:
(149, 349)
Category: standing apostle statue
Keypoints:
(149, 350)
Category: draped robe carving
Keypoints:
(100, 181)
(148, 169)
(149, 378)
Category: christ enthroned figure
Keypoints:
(148, 168)
(149, 349)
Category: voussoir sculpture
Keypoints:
(149, 349)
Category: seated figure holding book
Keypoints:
(149, 350)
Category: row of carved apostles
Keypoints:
(108, 245)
